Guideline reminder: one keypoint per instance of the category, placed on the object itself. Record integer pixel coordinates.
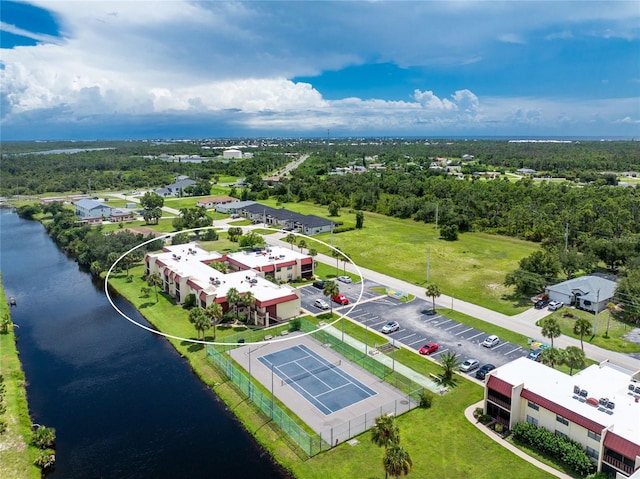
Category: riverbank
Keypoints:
(16, 455)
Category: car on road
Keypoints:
(321, 303)
(535, 354)
(428, 348)
(344, 279)
(340, 299)
(555, 305)
(491, 341)
(482, 372)
(541, 304)
(320, 284)
(469, 365)
(390, 327)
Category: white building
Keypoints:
(598, 407)
(590, 293)
(232, 153)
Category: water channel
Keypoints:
(124, 404)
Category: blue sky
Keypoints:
(187, 69)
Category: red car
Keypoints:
(429, 348)
(340, 299)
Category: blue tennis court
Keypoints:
(320, 382)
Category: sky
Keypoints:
(83, 70)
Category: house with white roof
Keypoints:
(185, 269)
(591, 293)
(92, 209)
(599, 407)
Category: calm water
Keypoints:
(124, 404)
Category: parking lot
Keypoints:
(418, 325)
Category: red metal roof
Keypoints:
(621, 445)
(203, 295)
(563, 411)
(499, 385)
(271, 302)
(267, 269)
(306, 260)
(193, 285)
(286, 263)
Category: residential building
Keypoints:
(283, 218)
(591, 293)
(185, 269)
(175, 189)
(214, 201)
(599, 407)
(92, 209)
(235, 207)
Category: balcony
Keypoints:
(500, 402)
(619, 465)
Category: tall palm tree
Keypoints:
(291, 239)
(248, 300)
(385, 431)
(551, 329)
(233, 298)
(397, 461)
(302, 244)
(552, 356)
(330, 290)
(201, 322)
(574, 358)
(433, 292)
(582, 327)
(449, 362)
(337, 254)
(155, 280)
(214, 313)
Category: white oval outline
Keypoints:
(198, 341)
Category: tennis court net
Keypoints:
(308, 372)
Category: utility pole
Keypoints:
(595, 316)
(428, 261)
(566, 237)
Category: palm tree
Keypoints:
(337, 254)
(302, 244)
(582, 327)
(155, 280)
(233, 298)
(385, 431)
(551, 329)
(433, 292)
(397, 461)
(248, 300)
(214, 314)
(449, 362)
(574, 358)
(201, 322)
(612, 308)
(330, 290)
(552, 356)
(291, 239)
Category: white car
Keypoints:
(469, 365)
(390, 327)
(491, 341)
(344, 279)
(321, 303)
(555, 305)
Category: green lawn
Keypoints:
(472, 268)
(16, 456)
(440, 440)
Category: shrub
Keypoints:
(342, 229)
(295, 324)
(189, 301)
(3, 426)
(426, 398)
(43, 437)
(45, 459)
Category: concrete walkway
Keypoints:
(469, 415)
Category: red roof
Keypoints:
(203, 295)
(193, 285)
(286, 263)
(306, 260)
(271, 302)
(268, 268)
(499, 385)
(621, 446)
(563, 411)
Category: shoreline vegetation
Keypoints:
(17, 455)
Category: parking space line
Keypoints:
(499, 345)
(513, 350)
(406, 337)
(443, 322)
(453, 327)
(440, 351)
(473, 337)
(462, 332)
(419, 341)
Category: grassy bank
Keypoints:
(16, 455)
(438, 438)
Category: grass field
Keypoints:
(442, 443)
(472, 269)
(16, 456)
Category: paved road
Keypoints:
(523, 323)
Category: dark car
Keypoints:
(541, 304)
(482, 372)
(320, 284)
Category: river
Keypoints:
(123, 402)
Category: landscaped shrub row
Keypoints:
(3, 408)
(564, 449)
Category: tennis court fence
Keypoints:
(314, 443)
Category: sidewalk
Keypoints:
(469, 415)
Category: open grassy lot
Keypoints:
(16, 456)
(442, 443)
(472, 268)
